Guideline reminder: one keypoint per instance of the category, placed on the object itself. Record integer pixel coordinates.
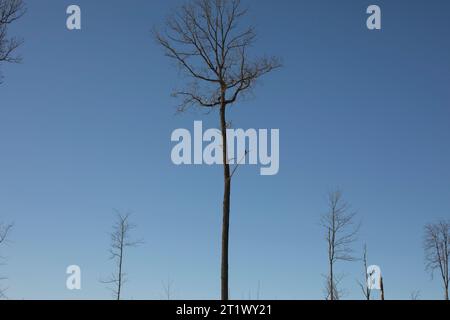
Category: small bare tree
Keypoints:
(415, 295)
(205, 38)
(10, 11)
(437, 251)
(258, 291)
(365, 285)
(120, 241)
(341, 232)
(5, 229)
(168, 289)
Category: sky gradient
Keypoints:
(85, 125)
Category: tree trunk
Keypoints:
(382, 288)
(331, 282)
(119, 285)
(226, 203)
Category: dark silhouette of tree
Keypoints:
(120, 241)
(206, 40)
(437, 250)
(341, 232)
(10, 11)
(5, 229)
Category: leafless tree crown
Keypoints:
(120, 240)
(205, 38)
(437, 251)
(341, 228)
(341, 232)
(10, 11)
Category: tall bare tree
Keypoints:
(206, 39)
(365, 285)
(437, 250)
(10, 11)
(120, 241)
(5, 229)
(341, 231)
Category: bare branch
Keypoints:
(341, 232)
(437, 251)
(120, 240)
(5, 230)
(364, 284)
(332, 287)
(167, 287)
(10, 11)
(204, 37)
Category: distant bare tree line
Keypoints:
(341, 231)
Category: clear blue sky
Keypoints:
(85, 124)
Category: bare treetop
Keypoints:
(437, 251)
(120, 241)
(341, 228)
(341, 232)
(207, 41)
(10, 11)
